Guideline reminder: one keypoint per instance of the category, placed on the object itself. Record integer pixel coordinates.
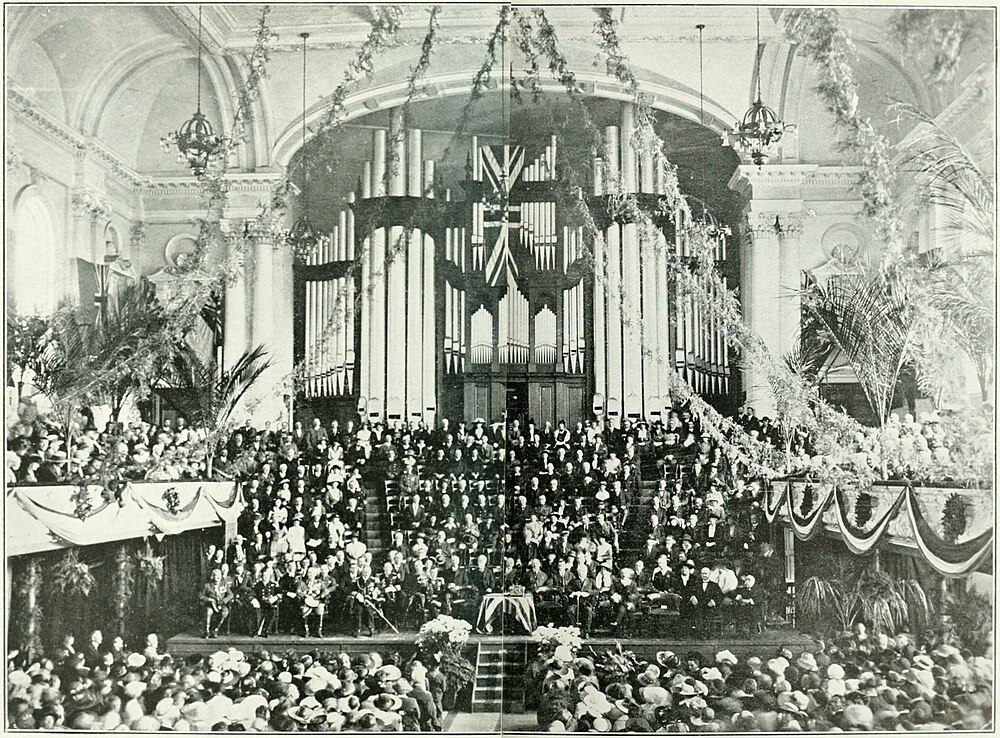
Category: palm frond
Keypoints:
(951, 179)
(234, 383)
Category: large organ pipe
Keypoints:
(649, 325)
(414, 343)
(414, 159)
(600, 276)
(428, 328)
(614, 314)
(349, 308)
(350, 228)
(366, 179)
(366, 355)
(628, 161)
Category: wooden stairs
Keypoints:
(501, 670)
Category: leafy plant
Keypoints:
(968, 620)
(846, 591)
(953, 518)
(864, 318)
(72, 575)
(209, 395)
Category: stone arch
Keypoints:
(31, 259)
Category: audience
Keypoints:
(226, 691)
(883, 684)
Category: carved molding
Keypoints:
(773, 224)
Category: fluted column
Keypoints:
(760, 292)
(236, 336)
(789, 297)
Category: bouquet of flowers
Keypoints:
(442, 639)
(556, 641)
(443, 632)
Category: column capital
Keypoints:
(777, 223)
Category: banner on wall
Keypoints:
(44, 518)
(948, 559)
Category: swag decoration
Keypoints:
(948, 558)
(72, 575)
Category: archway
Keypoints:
(32, 258)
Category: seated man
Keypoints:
(625, 597)
(216, 596)
(312, 599)
(582, 596)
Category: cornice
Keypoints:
(239, 182)
(25, 108)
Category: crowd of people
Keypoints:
(863, 683)
(106, 687)
(476, 508)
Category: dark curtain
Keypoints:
(166, 607)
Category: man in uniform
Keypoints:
(216, 596)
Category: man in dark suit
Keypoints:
(661, 581)
(582, 596)
(685, 587)
(414, 514)
(92, 651)
(707, 593)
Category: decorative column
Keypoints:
(760, 300)
(236, 330)
(789, 297)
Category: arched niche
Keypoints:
(31, 257)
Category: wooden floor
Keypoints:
(765, 644)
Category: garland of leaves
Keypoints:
(150, 565)
(954, 518)
(30, 590)
(72, 575)
(864, 506)
(941, 33)
(818, 34)
(83, 502)
(808, 500)
(124, 586)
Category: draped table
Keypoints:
(521, 606)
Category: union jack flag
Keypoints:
(502, 168)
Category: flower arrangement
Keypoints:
(442, 639)
(72, 575)
(443, 632)
(556, 641)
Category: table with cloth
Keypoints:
(521, 607)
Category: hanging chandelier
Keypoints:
(760, 127)
(195, 140)
(303, 239)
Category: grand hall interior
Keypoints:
(494, 367)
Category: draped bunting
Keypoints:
(44, 517)
(948, 559)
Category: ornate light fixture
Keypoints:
(304, 240)
(761, 127)
(195, 140)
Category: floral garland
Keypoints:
(943, 33)
(172, 499)
(124, 585)
(818, 34)
(954, 518)
(30, 589)
(83, 503)
(72, 575)
(864, 506)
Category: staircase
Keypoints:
(501, 670)
(376, 524)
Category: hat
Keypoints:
(807, 661)
(835, 671)
(655, 695)
(134, 689)
(923, 661)
(136, 660)
(389, 672)
(777, 665)
(726, 657)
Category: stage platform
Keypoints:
(764, 644)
